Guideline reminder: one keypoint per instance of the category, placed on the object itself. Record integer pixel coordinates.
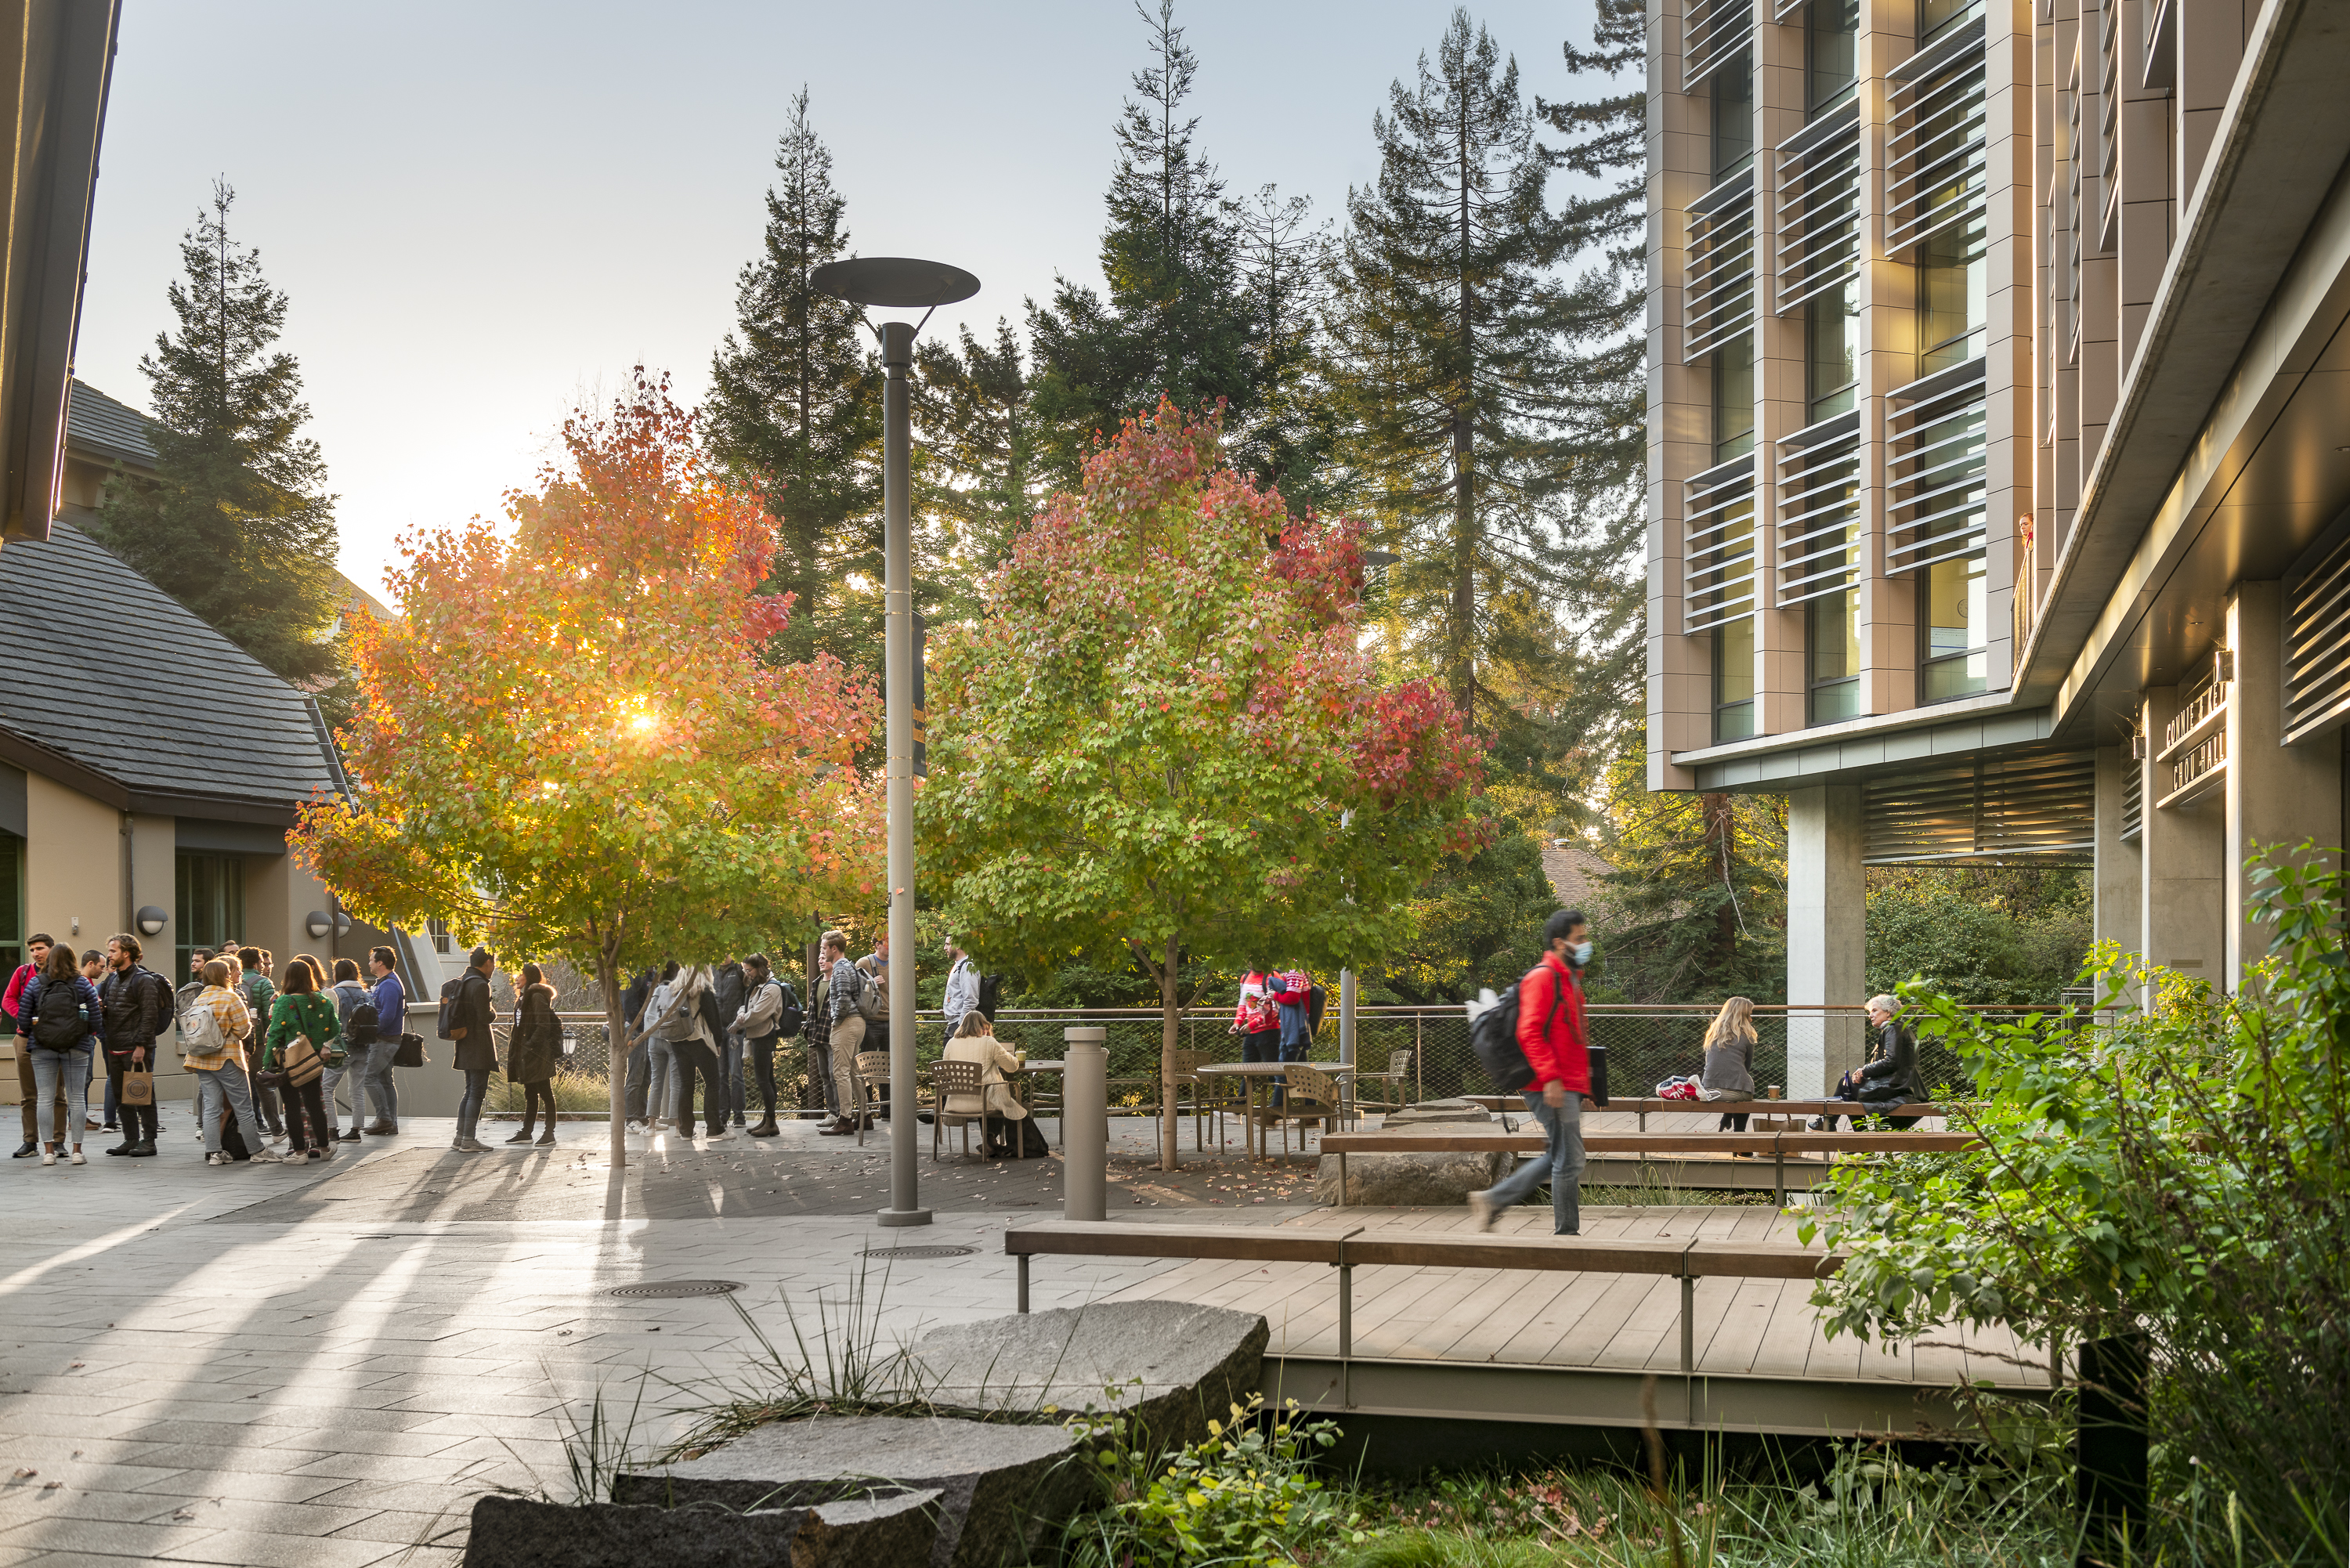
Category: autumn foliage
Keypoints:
(571, 742)
(1164, 736)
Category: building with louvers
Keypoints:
(1999, 478)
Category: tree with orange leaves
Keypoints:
(570, 742)
(1165, 737)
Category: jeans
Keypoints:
(469, 1108)
(640, 1062)
(68, 1070)
(763, 1062)
(219, 1092)
(1264, 1046)
(264, 1105)
(381, 1092)
(28, 1096)
(692, 1060)
(730, 1061)
(819, 1056)
(1560, 1165)
(660, 1056)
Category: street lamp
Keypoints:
(898, 283)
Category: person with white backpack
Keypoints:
(212, 1033)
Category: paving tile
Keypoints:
(329, 1440)
(102, 1536)
(390, 1469)
(257, 1486)
(402, 1528)
(268, 1518)
(67, 1502)
(257, 1549)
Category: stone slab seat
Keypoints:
(997, 1485)
(1173, 1366)
(883, 1528)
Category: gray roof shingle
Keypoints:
(105, 429)
(107, 670)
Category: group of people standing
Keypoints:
(265, 1053)
(702, 1024)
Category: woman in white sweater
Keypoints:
(995, 1102)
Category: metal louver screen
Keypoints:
(2317, 646)
(2038, 808)
(2133, 799)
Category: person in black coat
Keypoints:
(470, 1026)
(729, 989)
(534, 1050)
(1893, 1078)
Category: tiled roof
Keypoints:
(107, 670)
(103, 429)
(1575, 873)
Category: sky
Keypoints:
(484, 213)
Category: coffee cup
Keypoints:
(1773, 1090)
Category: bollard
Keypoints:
(1085, 1122)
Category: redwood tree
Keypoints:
(570, 742)
(1163, 735)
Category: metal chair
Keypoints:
(871, 1071)
(1399, 1073)
(1313, 1096)
(948, 1080)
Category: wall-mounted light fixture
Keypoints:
(150, 919)
(319, 924)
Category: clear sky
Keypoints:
(485, 212)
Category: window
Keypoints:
(1832, 657)
(1733, 118)
(1832, 332)
(210, 892)
(1955, 659)
(1951, 306)
(1733, 680)
(438, 929)
(1829, 55)
(1733, 398)
(1935, 17)
(12, 902)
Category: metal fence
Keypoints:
(1644, 1045)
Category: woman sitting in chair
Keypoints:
(996, 1104)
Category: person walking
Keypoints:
(471, 1026)
(391, 1002)
(534, 1050)
(61, 1022)
(348, 993)
(138, 1006)
(214, 1032)
(28, 1100)
(260, 997)
(758, 1024)
(962, 987)
(304, 1036)
(821, 1035)
(1551, 1035)
(843, 1033)
(1728, 1073)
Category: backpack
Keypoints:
(872, 999)
(1493, 1035)
(449, 990)
(991, 993)
(364, 1022)
(684, 1011)
(62, 1022)
(1317, 1000)
(200, 1033)
(791, 1016)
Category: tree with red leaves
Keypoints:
(1164, 736)
(570, 742)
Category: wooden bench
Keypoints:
(1348, 1251)
(1778, 1145)
(1643, 1105)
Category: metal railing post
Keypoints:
(1023, 1281)
(1688, 1320)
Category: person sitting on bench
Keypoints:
(1890, 1078)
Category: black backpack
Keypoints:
(1494, 1038)
(791, 1015)
(360, 1028)
(449, 990)
(990, 992)
(60, 1025)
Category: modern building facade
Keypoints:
(1999, 480)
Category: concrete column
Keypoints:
(2116, 900)
(2182, 885)
(1826, 934)
(2277, 794)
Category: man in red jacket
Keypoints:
(1551, 1034)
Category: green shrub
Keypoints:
(1242, 1497)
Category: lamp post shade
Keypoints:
(895, 283)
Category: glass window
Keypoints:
(1733, 680)
(210, 892)
(1935, 17)
(1831, 331)
(1733, 118)
(1952, 273)
(1832, 657)
(12, 902)
(1733, 399)
(1956, 627)
(1829, 55)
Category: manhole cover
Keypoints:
(919, 1251)
(666, 1288)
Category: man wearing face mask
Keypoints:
(1552, 1035)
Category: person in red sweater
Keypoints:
(1551, 1034)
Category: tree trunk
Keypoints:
(1715, 808)
(615, 1039)
(1167, 1142)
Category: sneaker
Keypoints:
(218, 1157)
(381, 1129)
(125, 1147)
(265, 1156)
(350, 1137)
(523, 1137)
(1482, 1209)
(547, 1138)
(25, 1150)
(77, 1158)
(49, 1157)
(766, 1129)
(143, 1150)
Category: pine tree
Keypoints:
(1605, 584)
(977, 484)
(236, 524)
(1285, 262)
(796, 407)
(1455, 360)
(1175, 321)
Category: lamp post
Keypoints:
(898, 283)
